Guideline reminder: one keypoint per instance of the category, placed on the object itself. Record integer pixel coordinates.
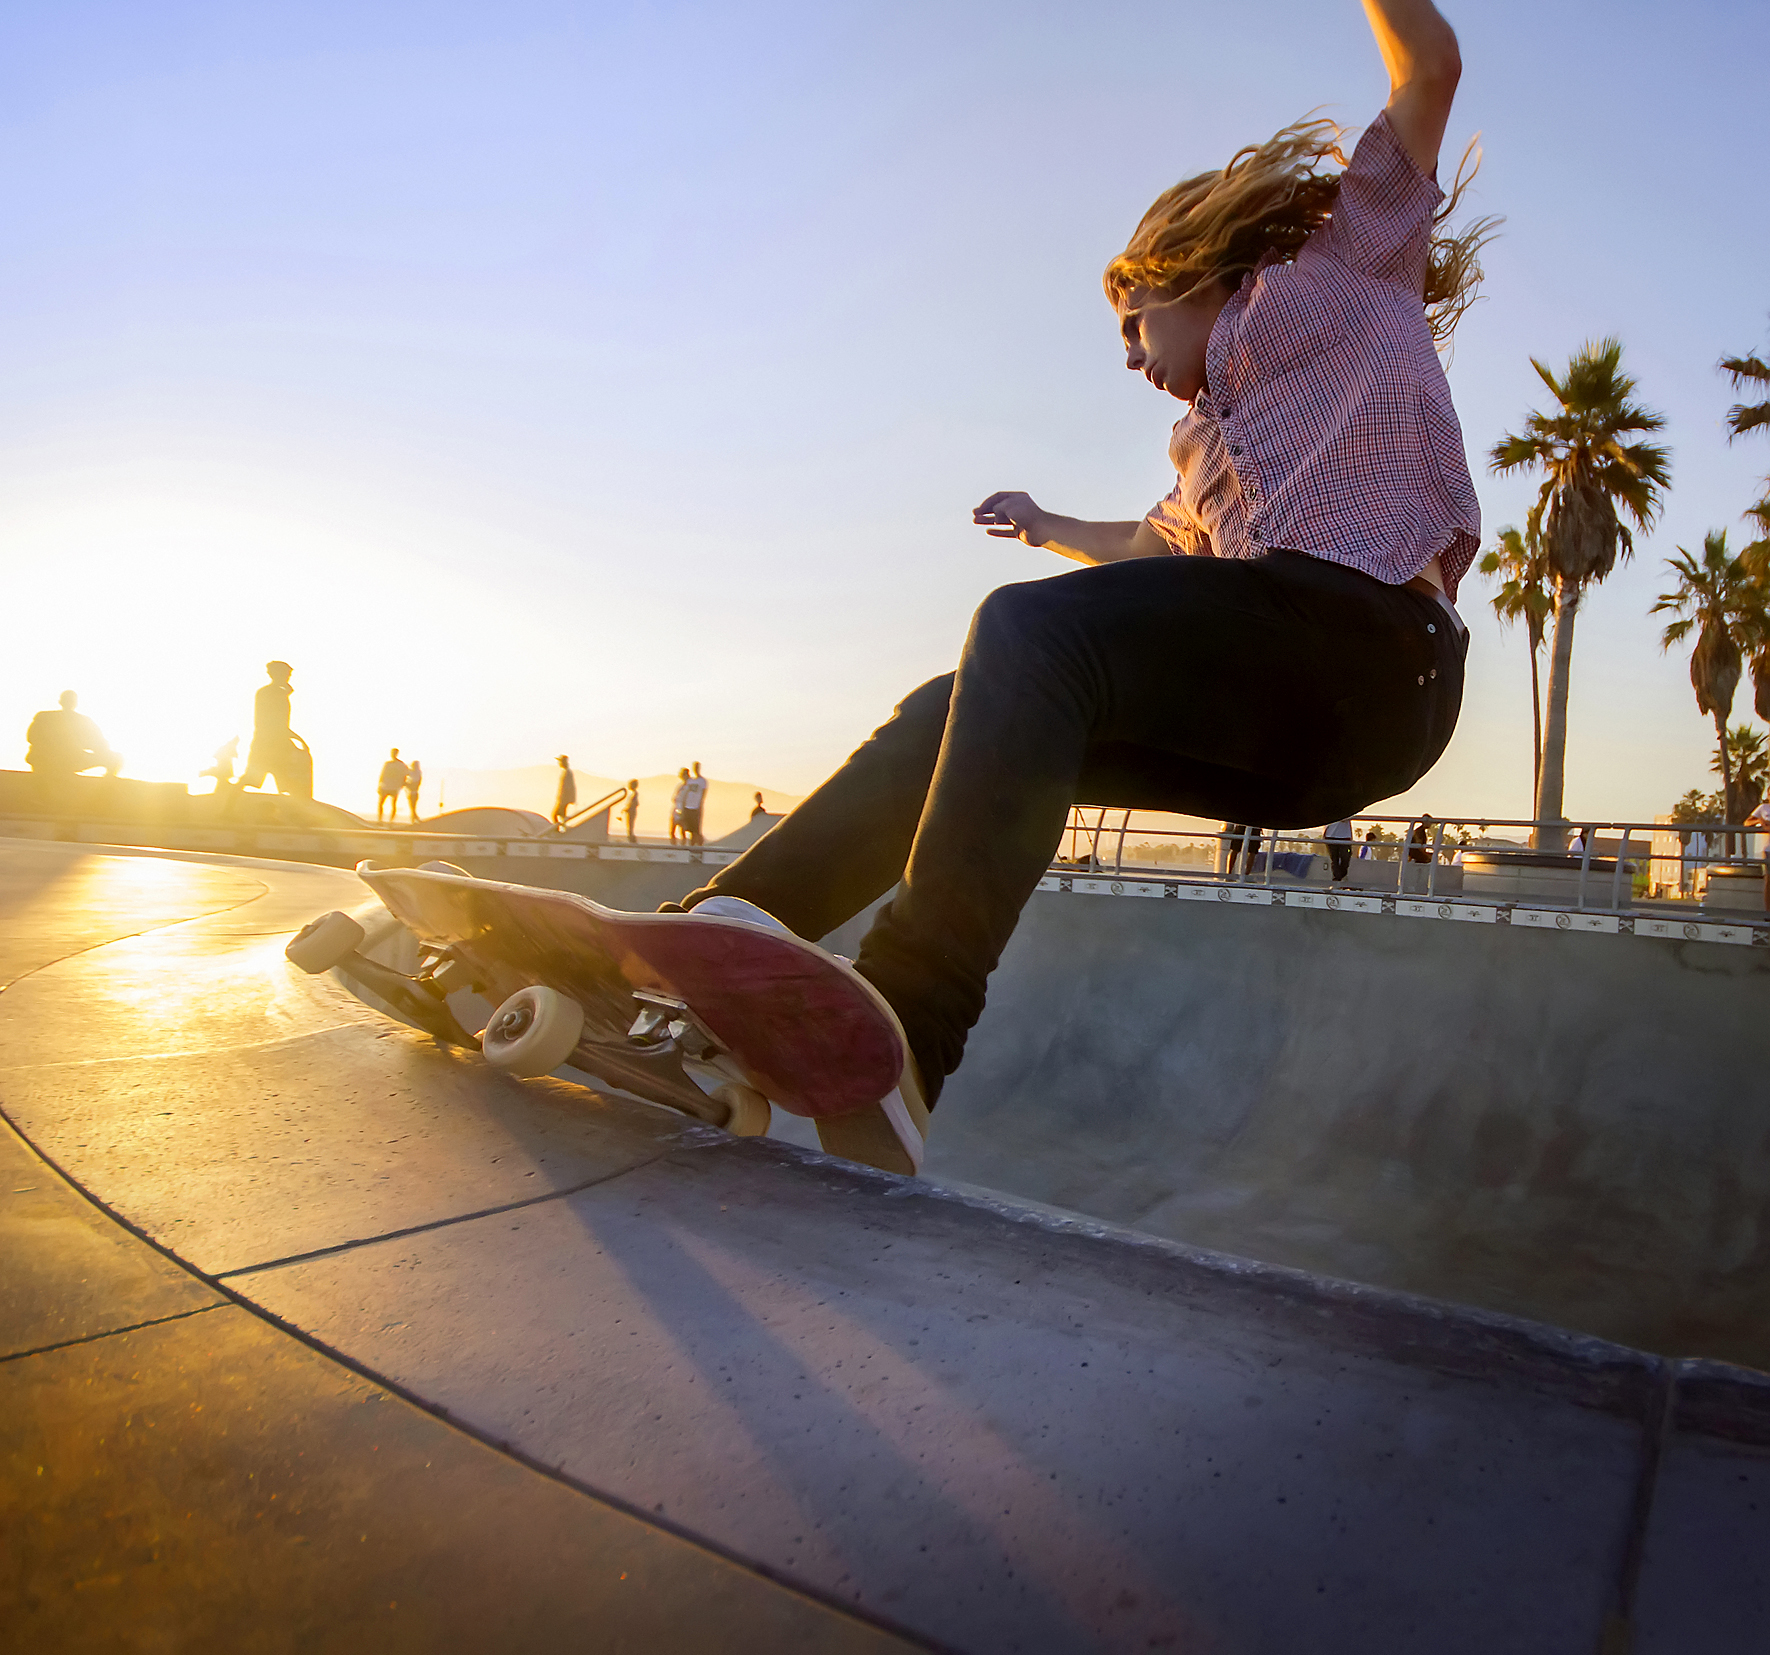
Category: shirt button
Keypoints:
(1422, 680)
(1430, 627)
(1433, 673)
(1235, 448)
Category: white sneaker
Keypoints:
(734, 907)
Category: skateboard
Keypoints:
(713, 1016)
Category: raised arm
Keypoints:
(1016, 516)
(1420, 52)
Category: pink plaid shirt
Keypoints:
(1326, 425)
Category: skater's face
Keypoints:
(1165, 339)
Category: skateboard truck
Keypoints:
(665, 1023)
(333, 943)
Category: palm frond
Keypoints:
(1750, 369)
(1743, 417)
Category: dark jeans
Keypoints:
(1340, 855)
(1283, 690)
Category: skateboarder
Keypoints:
(276, 751)
(1274, 642)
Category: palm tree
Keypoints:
(1523, 596)
(1719, 599)
(1747, 755)
(1751, 369)
(1589, 473)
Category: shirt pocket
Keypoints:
(1293, 320)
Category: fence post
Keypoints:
(1616, 878)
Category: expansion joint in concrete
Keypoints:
(112, 1332)
(1656, 1423)
(223, 1276)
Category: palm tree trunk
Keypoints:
(1726, 778)
(1552, 771)
(1536, 726)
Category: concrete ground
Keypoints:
(1551, 1114)
(315, 1335)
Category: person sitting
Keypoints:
(63, 741)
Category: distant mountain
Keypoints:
(728, 806)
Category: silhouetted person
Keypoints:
(223, 767)
(1247, 850)
(676, 825)
(758, 809)
(414, 781)
(1420, 840)
(694, 797)
(1339, 845)
(63, 741)
(567, 796)
(276, 751)
(387, 789)
(631, 808)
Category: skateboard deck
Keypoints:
(666, 996)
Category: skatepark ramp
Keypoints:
(314, 1329)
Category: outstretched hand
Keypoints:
(1011, 516)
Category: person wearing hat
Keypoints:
(567, 796)
(276, 751)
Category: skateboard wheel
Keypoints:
(324, 942)
(750, 1114)
(533, 1032)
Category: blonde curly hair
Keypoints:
(1270, 199)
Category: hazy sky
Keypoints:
(619, 379)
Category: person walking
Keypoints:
(277, 753)
(1276, 641)
(631, 809)
(566, 795)
(387, 788)
(676, 822)
(414, 782)
(1339, 846)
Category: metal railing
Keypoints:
(1610, 865)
